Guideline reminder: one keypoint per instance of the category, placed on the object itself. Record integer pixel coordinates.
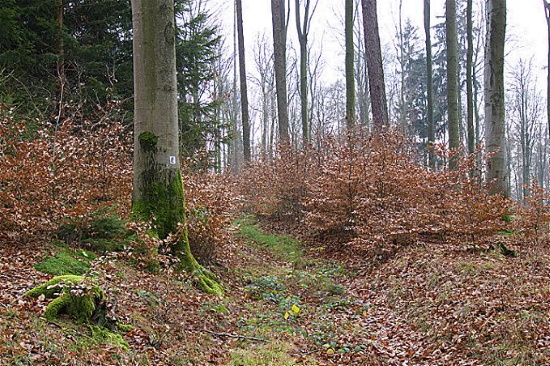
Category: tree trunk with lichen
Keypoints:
(158, 193)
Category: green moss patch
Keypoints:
(73, 295)
(67, 262)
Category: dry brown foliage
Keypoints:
(366, 190)
(51, 174)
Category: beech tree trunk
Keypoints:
(243, 86)
(374, 64)
(452, 80)
(349, 65)
(495, 123)
(158, 194)
(429, 82)
(279, 51)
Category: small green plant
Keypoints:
(104, 231)
(104, 335)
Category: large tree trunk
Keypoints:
(374, 64)
(452, 80)
(495, 123)
(279, 51)
(349, 65)
(158, 194)
(429, 83)
(243, 86)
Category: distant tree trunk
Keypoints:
(402, 66)
(243, 86)
(349, 63)
(374, 64)
(302, 28)
(158, 193)
(495, 123)
(452, 80)
(470, 78)
(60, 61)
(430, 89)
(279, 50)
(234, 146)
(547, 13)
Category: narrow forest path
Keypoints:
(305, 309)
(429, 304)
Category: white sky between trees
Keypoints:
(526, 28)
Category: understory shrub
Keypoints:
(75, 180)
(365, 190)
(210, 208)
(51, 175)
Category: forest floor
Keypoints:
(428, 304)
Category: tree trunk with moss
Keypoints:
(158, 193)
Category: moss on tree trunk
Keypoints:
(162, 201)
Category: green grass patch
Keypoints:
(270, 354)
(283, 247)
(67, 261)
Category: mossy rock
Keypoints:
(73, 295)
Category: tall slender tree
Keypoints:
(349, 64)
(495, 123)
(243, 84)
(279, 21)
(302, 28)
(377, 85)
(452, 79)
(470, 77)
(158, 193)
(429, 86)
(547, 14)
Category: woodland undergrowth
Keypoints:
(56, 178)
(372, 193)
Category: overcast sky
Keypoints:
(526, 27)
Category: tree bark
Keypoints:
(349, 65)
(430, 89)
(243, 85)
(302, 28)
(158, 194)
(374, 64)
(452, 81)
(495, 123)
(279, 51)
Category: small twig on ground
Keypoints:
(236, 336)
